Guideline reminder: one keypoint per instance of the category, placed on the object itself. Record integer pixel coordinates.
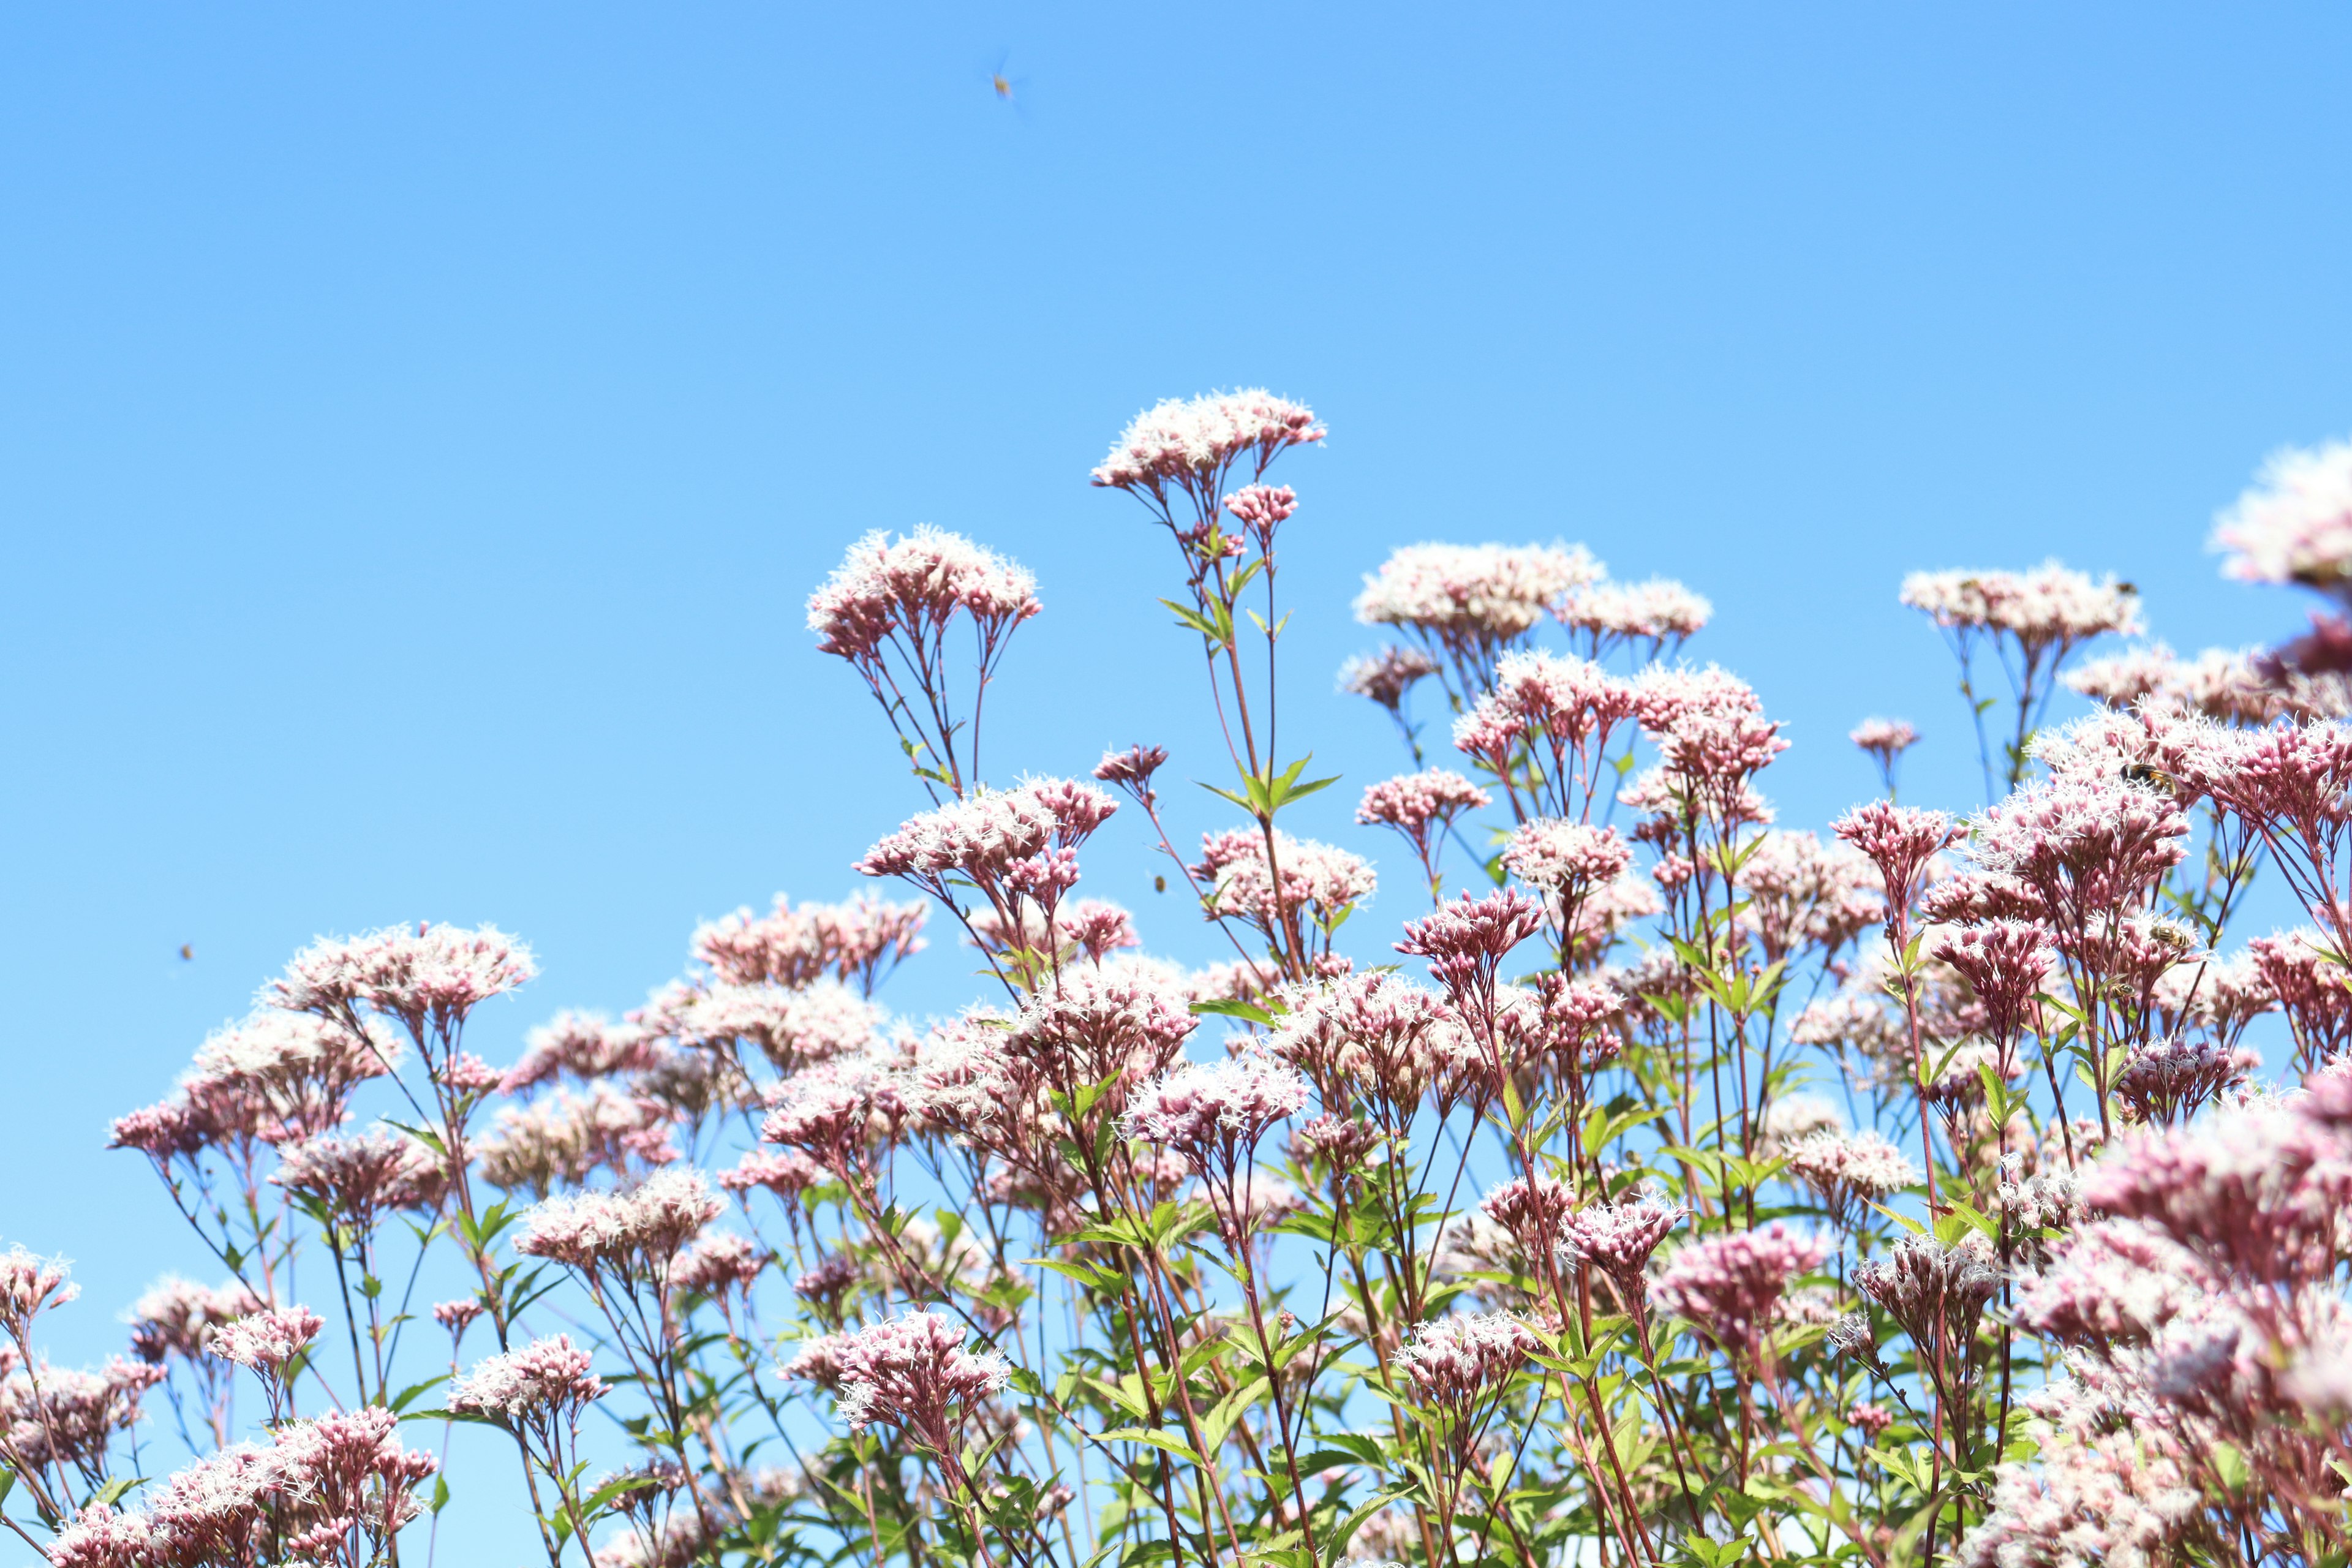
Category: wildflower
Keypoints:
(31, 1285)
(1846, 1170)
(1421, 805)
(1660, 612)
(908, 592)
(717, 1263)
(914, 1373)
(457, 1316)
(1386, 676)
(2048, 607)
(1466, 598)
(1314, 881)
(2169, 1081)
(858, 940)
(1189, 445)
(1884, 741)
(564, 1138)
(266, 1341)
(431, 975)
(1456, 1362)
(2313, 990)
(985, 833)
(2004, 961)
(1566, 858)
(1618, 1239)
(582, 1045)
(1532, 1211)
(363, 1176)
(1937, 1292)
(178, 1317)
(2296, 524)
(546, 1378)
(1131, 771)
(1725, 1285)
(1899, 840)
(1466, 938)
(1214, 1114)
(636, 1231)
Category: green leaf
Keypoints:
(108, 1495)
(1248, 1012)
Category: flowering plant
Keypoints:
(1724, 1191)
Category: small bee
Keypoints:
(1159, 884)
(2143, 774)
(187, 951)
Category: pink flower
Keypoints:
(1131, 771)
(914, 1373)
(2296, 524)
(584, 1045)
(2048, 607)
(858, 940)
(1899, 840)
(1458, 594)
(361, 1177)
(1189, 445)
(1883, 739)
(265, 1342)
(1453, 1364)
(432, 975)
(31, 1285)
(1618, 1239)
(1660, 612)
(637, 1231)
(1845, 1170)
(984, 834)
(1935, 1292)
(1725, 1285)
(179, 1317)
(566, 1138)
(2170, 1080)
(2004, 961)
(546, 1378)
(1385, 677)
(1466, 939)
(717, 1263)
(1218, 1111)
(785, 1172)
(1567, 858)
(909, 591)
(1531, 1211)
(1315, 881)
(1412, 803)
(457, 1316)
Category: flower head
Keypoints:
(548, 1378)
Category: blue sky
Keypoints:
(420, 425)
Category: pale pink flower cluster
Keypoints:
(178, 1317)
(1095, 927)
(2295, 525)
(1190, 443)
(2047, 606)
(319, 1487)
(1726, 1286)
(564, 1140)
(860, 939)
(1802, 892)
(1315, 880)
(1900, 840)
(1372, 1034)
(1385, 677)
(1845, 1170)
(717, 1263)
(792, 1028)
(1214, 1113)
(433, 975)
(1935, 1291)
(584, 1045)
(30, 1285)
(1456, 1362)
(363, 1176)
(911, 589)
(1618, 1238)
(1566, 857)
(640, 1229)
(2218, 684)
(1464, 595)
(1412, 803)
(1660, 612)
(915, 1372)
(2169, 1081)
(546, 1378)
(1569, 703)
(1883, 739)
(984, 834)
(2086, 843)
(265, 1342)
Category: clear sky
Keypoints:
(420, 425)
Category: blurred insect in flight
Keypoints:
(187, 949)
